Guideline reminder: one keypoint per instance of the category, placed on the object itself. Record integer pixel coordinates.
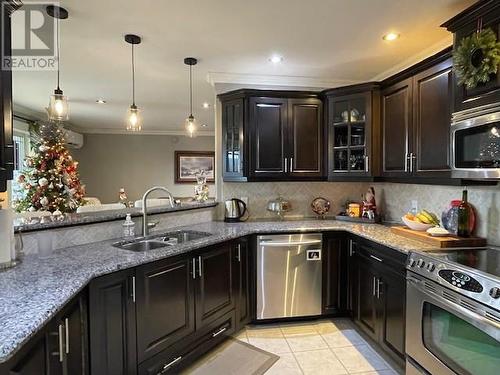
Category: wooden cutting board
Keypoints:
(441, 242)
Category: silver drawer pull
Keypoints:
(376, 258)
(61, 352)
(168, 365)
(291, 243)
(223, 329)
(66, 326)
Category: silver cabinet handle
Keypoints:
(194, 268)
(411, 162)
(133, 289)
(66, 326)
(367, 164)
(374, 286)
(378, 288)
(291, 165)
(199, 266)
(407, 159)
(170, 364)
(61, 352)
(376, 258)
(286, 165)
(238, 256)
(215, 334)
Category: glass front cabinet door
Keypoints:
(232, 132)
(350, 134)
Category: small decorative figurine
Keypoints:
(122, 196)
(369, 204)
(201, 188)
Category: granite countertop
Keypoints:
(34, 291)
(49, 222)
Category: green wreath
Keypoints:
(477, 58)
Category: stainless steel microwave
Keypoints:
(475, 142)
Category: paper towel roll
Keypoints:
(6, 236)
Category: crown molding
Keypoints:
(430, 51)
(214, 78)
(206, 133)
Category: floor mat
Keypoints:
(233, 357)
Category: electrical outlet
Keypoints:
(414, 206)
(245, 199)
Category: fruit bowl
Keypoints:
(415, 225)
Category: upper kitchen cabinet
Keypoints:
(6, 140)
(353, 123)
(487, 13)
(272, 135)
(416, 116)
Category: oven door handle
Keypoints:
(490, 326)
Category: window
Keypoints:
(22, 146)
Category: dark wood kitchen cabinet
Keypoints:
(335, 274)
(416, 116)
(164, 304)
(353, 127)
(272, 135)
(112, 323)
(463, 25)
(214, 288)
(59, 348)
(244, 279)
(379, 296)
(6, 127)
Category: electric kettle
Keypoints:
(235, 209)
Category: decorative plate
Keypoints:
(320, 206)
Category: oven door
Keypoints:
(447, 333)
(476, 147)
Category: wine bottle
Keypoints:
(464, 217)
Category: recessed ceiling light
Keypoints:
(203, 125)
(206, 105)
(100, 101)
(275, 59)
(391, 36)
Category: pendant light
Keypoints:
(134, 120)
(58, 106)
(191, 124)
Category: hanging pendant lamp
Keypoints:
(134, 120)
(58, 109)
(191, 124)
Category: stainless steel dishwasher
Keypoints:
(289, 275)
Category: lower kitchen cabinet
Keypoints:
(244, 279)
(335, 274)
(60, 348)
(112, 323)
(378, 294)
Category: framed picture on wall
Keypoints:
(189, 163)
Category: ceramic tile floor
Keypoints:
(331, 347)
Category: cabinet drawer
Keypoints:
(172, 360)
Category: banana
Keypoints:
(428, 216)
(424, 219)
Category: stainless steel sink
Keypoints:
(161, 240)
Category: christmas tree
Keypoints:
(50, 181)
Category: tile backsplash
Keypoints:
(394, 200)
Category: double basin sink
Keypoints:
(160, 240)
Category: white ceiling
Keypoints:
(325, 43)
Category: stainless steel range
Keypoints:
(453, 312)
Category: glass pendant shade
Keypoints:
(191, 126)
(134, 120)
(58, 106)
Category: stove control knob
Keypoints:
(420, 263)
(495, 292)
(430, 267)
(411, 263)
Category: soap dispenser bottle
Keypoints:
(128, 227)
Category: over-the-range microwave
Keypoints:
(475, 142)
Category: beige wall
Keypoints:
(108, 162)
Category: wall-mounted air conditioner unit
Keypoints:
(73, 139)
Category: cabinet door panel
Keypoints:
(232, 130)
(366, 313)
(165, 305)
(34, 362)
(335, 274)
(393, 302)
(215, 287)
(243, 283)
(305, 137)
(431, 120)
(76, 352)
(396, 125)
(112, 325)
(268, 119)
